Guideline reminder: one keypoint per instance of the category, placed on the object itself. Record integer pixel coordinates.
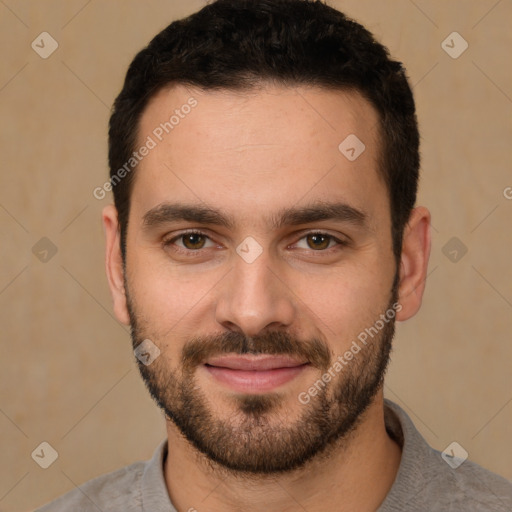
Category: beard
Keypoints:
(259, 439)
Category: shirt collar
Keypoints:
(155, 497)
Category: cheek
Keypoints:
(167, 294)
(344, 301)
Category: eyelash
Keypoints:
(191, 252)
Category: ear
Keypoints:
(414, 262)
(114, 263)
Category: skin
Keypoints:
(249, 155)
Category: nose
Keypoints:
(254, 298)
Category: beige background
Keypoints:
(67, 371)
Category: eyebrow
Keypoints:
(319, 211)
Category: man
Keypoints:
(264, 240)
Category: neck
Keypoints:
(354, 474)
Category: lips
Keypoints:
(254, 374)
(254, 363)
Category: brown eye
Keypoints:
(318, 241)
(188, 243)
(193, 240)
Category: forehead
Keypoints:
(271, 146)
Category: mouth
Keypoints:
(254, 374)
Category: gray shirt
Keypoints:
(425, 482)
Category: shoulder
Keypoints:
(473, 486)
(468, 487)
(429, 481)
(118, 490)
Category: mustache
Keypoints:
(199, 349)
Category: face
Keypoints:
(258, 256)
